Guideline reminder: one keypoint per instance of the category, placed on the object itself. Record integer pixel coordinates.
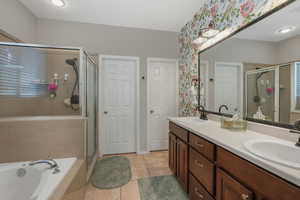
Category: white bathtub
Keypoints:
(37, 184)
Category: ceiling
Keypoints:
(166, 15)
(265, 30)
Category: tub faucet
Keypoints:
(52, 163)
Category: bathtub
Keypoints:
(38, 183)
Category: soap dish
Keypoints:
(236, 125)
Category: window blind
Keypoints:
(15, 81)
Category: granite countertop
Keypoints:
(233, 141)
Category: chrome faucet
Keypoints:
(298, 143)
(297, 127)
(52, 163)
(222, 106)
(203, 114)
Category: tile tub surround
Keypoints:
(73, 187)
(233, 142)
(22, 140)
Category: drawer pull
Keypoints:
(245, 197)
(198, 193)
(199, 145)
(199, 164)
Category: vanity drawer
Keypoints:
(256, 178)
(202, 169)
(197, 191)
(203, 146)
(178, 131)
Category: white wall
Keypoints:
(17, 21)
(113, 40)
(288, 50)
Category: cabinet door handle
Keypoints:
(245, 197)
(199, 164)
(199, 145)
(198, 193)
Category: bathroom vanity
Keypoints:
(212, 163)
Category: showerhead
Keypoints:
(71, 62)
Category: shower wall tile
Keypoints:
(38, 139)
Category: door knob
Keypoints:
(151, 111)
(105, 112)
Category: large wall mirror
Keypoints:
(256, 72)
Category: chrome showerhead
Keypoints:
(71, 61)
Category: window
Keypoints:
(15, 81)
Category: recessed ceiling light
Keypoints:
(58, 3)
(285, 30)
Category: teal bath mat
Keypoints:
(161, 188)
(111, 172)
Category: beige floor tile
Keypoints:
(93, 193)
(113, 194)
(90, 193)
(136, 160)
(130, 191)
(142, 166)
(139, 173)
(159, 171)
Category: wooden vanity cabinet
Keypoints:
(265, 185)
(209, 172)
(178, 154)
(202, 169)
(182, 164)
(197, 191)
(172, 153)
(230, 189)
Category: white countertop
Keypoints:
(233, 141)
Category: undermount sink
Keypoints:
(281, 152)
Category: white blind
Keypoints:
(15, 81)
(297, 79)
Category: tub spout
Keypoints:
(52, 163)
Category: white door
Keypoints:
(229, 86)
(162, 100)
(119, 105)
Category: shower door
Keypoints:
(91, 109)
(261, 93)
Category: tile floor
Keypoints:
(153, 164)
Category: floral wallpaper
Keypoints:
(227, 16)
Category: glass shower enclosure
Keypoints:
(50, 81)
(268, 93)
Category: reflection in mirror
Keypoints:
(256, 73)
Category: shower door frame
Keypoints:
(276, 84)
(94, 159)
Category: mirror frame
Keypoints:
(277, 124)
